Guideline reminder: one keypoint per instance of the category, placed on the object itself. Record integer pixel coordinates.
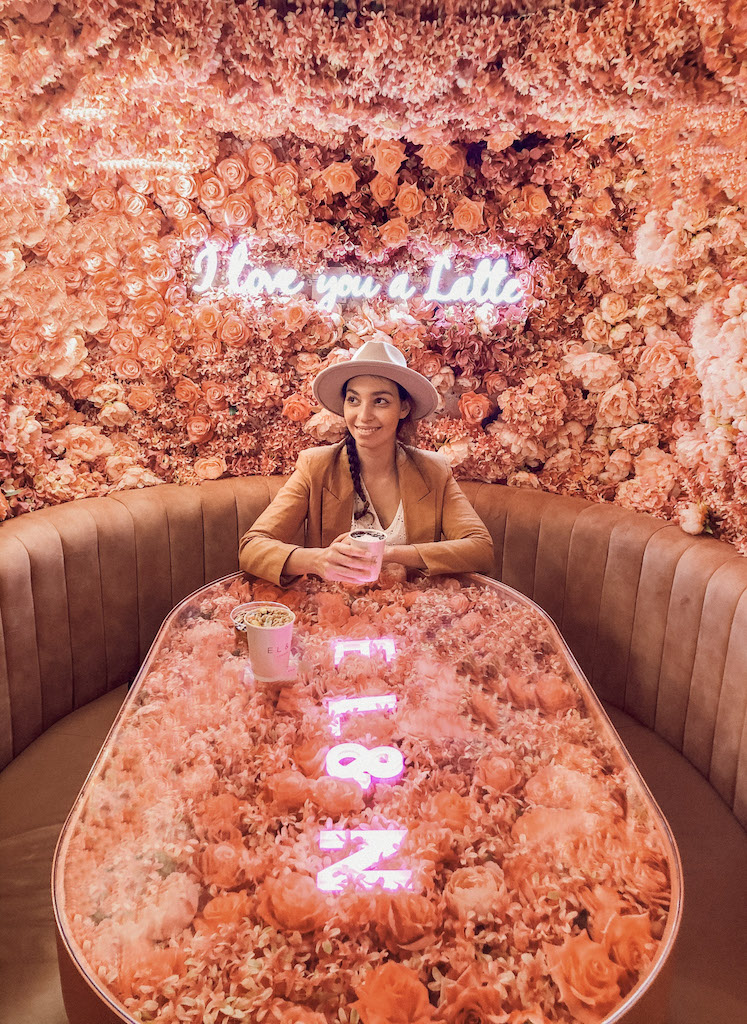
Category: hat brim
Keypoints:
(328, 384)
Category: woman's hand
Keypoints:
(343, 561)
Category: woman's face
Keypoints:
(372, 411)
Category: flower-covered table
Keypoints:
(432, 821)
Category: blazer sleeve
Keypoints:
(467, 545)
(265, 547)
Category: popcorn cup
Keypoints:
(266, 629)
(373, 542)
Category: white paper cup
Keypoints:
(373, 543)
(269, 647)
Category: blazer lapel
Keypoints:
(337, 499)
(419, 501)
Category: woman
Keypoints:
(369, 480)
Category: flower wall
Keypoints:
(600, 150)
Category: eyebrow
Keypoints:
(352, 391)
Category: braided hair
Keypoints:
(403, 430)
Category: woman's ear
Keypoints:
(407, 406)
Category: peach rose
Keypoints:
(340, 178)
(445, 159)
(232, 331)
(317, 236)
(260, 158)
(215, 395)
(497, 773)
(587, 978)
(392, 994)
(132, 203)
(471, 999)
(297, 408)
(207, 318)
(474, 890)
(595, 329)
(229, 908)
(238, 210)
(332, 609)
(409, 200)
(295, 315)
(199, 429)
(222, 864)
(261, 192)
(141, 398)
(535, 199)
(232, 171)
(394, 233)
(628, 940)
(104, 199)
(285, 176)
(388, 157)
(467, 216)
(292, 903)
(651, 311)
(115, 414)
(210, 467)
(383, 189)
(187, 392)
(450, 809)
(289, 790)
(617, 406)
(337, 796)
(499, 141)
(127, 367)
(195, 231)
(553, 695)
(613, 307)
(473, 408)
(406, 921)
(211, 190)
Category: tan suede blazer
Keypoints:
(440, 522)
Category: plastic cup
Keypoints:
(268, 646)
(373, 543)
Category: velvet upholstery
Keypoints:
(657, 619)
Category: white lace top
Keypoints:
(396, 532)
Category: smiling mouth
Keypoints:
(367, 430)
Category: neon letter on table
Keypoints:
(374, 844)
(354, 761)
(339, 706)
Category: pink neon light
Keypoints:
(354, 761)
(374, 845)
(366, 648)
(339, 706)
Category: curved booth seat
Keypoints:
(657, 620)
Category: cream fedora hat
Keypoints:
(380, 359)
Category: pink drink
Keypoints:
(373, 542)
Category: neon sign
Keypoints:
(366, 648)
(340, 706)
(489, 284)
(374, 845)
(356, 762)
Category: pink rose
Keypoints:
(383, 189)
(232, 171)
(210, 467)
(115, 414)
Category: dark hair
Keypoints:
(405, 432)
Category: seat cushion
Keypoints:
(709, 979)
(38, 788)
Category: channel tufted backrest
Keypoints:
(657, 619)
